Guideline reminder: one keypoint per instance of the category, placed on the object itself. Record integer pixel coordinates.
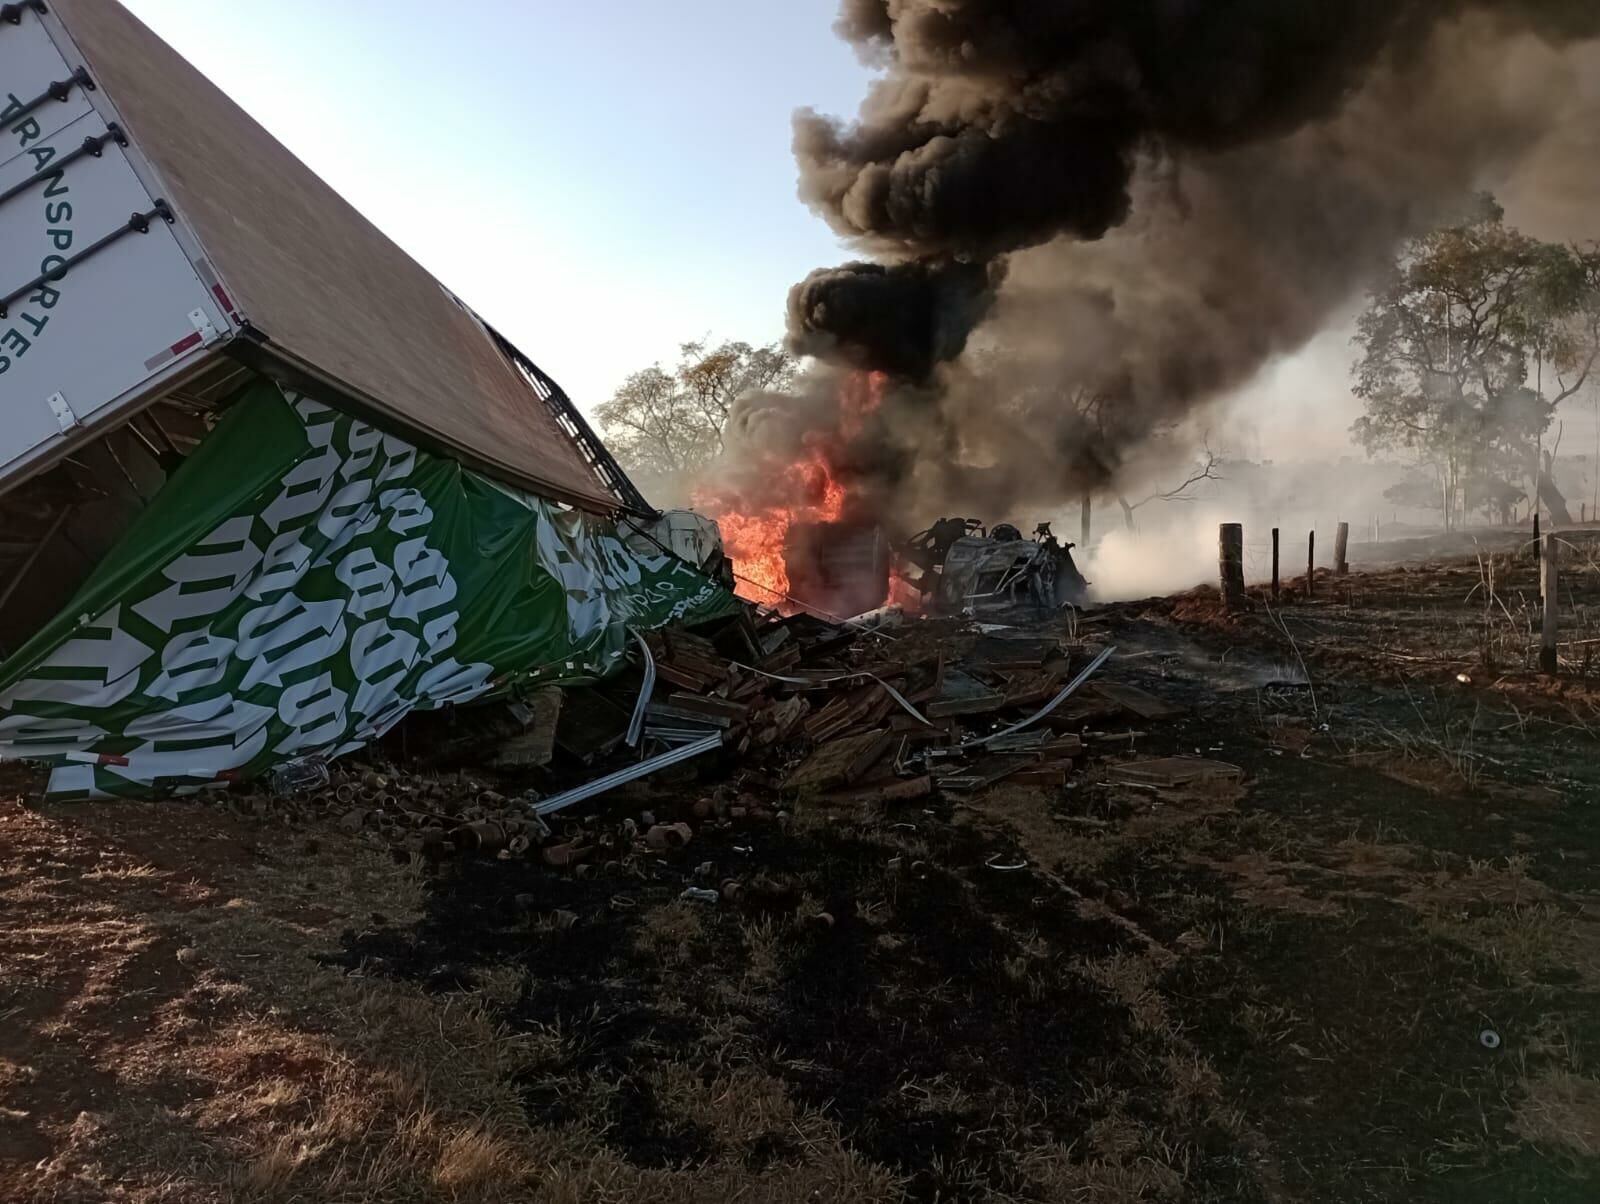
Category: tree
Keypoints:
(667, 425)
(1102, 426)
(1204, 469)
(718, 377)
(1468, 345)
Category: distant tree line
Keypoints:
(666, 424)
(1469, 346)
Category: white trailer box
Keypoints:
(153, 237)
(105, 297)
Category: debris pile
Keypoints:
(734, 723)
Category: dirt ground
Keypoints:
(1367, 970)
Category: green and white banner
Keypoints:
(302, 583)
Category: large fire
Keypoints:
(755, 529)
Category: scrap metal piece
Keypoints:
(821, 682)
(1066, 692)
(636, 724)
(611, 781)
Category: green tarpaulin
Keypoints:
(302, 583)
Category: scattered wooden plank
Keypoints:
(977, 704)
(839, 763)
(1051, 775)
(720, 707)
(683, 679)
(1173, 772)
(999, 653)
(668, 714)
(985, 773)
(1141, 702)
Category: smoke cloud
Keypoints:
(1090, 218)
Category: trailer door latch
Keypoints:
(202, 324)
(65, 418)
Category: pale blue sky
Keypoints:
(602, 181)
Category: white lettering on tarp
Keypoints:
(406, 508)
(303, 491)
(370, 581)
(189, 662)
(362, 443)
(287, 635)
(623, 568)
(380, 655)
(285, 562)
(314, 710)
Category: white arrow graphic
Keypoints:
(191, 662)
(304, 489)
(288, 635)
(225, 721)
(23, 736)
(315, 710)
(145, 764)
(102, 645)
(206, 579)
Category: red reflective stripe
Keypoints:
(183, 344)
(221, 295)
(112, 759)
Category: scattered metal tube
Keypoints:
(816, 682)
(636, 724)
(630, 773)
(1067, 691)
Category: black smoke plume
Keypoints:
(1091, 217)
(902, 318)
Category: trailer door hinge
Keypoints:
(65, 418)
(201, 323)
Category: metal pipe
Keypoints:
(636, 724)
(622, 776)
(1067, 692)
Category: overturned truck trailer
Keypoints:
(265, 484)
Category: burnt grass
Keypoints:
(941, 1015)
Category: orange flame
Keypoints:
(755, 536)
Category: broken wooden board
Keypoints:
(839, 762)
(721, 708)
(977, 704)
(986, 772)
(1000, 653)
(1036, 688)
(1042, 775)
(674, 715)
(1141, 702)
(1174, 772)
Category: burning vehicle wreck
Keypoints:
(960, 567)
(955, 567)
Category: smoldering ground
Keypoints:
(1090, 222)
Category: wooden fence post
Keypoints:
(1536, 536)
(1311, 565)
(1274, 564)
(1230, 564)
(1550, 596)
(1341, 545)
